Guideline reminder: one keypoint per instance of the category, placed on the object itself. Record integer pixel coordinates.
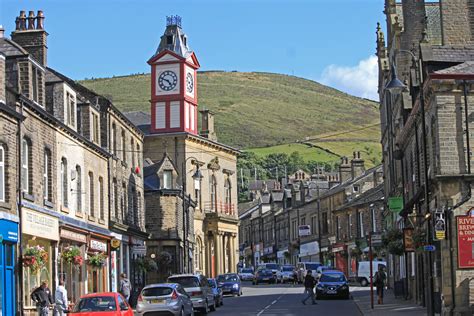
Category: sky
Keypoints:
(330, 41)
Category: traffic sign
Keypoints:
(429, 248)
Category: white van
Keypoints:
(363, 271)
(303, 267)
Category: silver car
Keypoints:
(197, 286)
(166, 297)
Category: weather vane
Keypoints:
(173, 20)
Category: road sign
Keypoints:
(439, 225)
(429, 248)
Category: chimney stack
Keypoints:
(207, 126)
(2, 31)
(32, 37)
(344, 170)
(357, 165)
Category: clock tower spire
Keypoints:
(173, 82)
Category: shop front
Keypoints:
(97, 264)
(39, 239)
(8, 241)
(309, 252)
(71, 263)
(282, 256)
(340, 257)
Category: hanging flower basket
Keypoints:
(72, 255)
(97, 260)
(146, 264)
(35, 258)
(356, 252)
(392, 241)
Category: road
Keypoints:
(278, 299)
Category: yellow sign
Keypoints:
(38, 224)
(115, 243)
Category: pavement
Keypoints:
(391, 306)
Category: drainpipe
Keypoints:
(19, 192)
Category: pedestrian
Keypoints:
(380, 279)
(61, 300)
(41, 296)
(125, 286)
(309, 284)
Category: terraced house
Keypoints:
(425, 88)
(58, 170)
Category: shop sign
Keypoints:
(408, 242)
(115, 244)
(338, 249)
(304, 230)
(267, 250)
(98, 245)
(281, 253)
(308, 249)
(439, 225)
(140, 250)
(466, 240)
(40, 225)
(395, 204)
(8, 231)
(67, 234)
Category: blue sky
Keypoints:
(331, 41)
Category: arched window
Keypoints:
(64, 183)
(228, 191)
(2, 173)
(78, 189)
(213, 190)
(198, 255)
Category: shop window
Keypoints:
(2, 173)
(64, 183)
(72, 275)
(32, 280)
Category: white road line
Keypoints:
(268, 306)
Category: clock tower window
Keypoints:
(169, 40)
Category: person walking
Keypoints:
(309, 284)
(41, 296)
(61, 300)
(125, 286)
(380, 279)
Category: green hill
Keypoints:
(255, 110)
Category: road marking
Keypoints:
(268, 306)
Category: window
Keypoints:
(139, 157)
(132, 203)
(132, 146)
(78, 190)
(167, 179)
(213, 190)
(303, 220)
(122, 141)
(115, 198)
(64, 183)
(324, 223)
(338, 228)
(47, 175)
(25, 165)
(101, 199)
(374, 219)
(314, 221)
(349, 225)
(228, 193)
(91, 194)
(35, 83)
(356, 188)
(123, 201)
(95, 128)
(113, 139)
(2, 174)
(360, 221)
(70, 110)
(169, 40)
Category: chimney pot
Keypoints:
(17, 24)
(2, 31)
(40, 20)
(31, 20)
(22, 18)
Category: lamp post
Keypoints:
(197, 176)
(397, 86)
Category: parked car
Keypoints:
(264, 276)
(229, 283)
(287, 274)
(303, 267)
(363, 271)
(198, 288)
(102, 304)
(166, 297)
(321, 269)
(246, 274)
(217, 291)
(274, 267)
(333, 283)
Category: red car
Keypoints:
(106, 304)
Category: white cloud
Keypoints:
(360, 80)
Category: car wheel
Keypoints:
(364, 282)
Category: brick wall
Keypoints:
(455, 22)
(8, 140)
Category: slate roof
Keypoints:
(369, 196)
(150, 177)
(140, 119)
(277, 196)
(464, 68)
(453, 54)
(257, 185)
(434, 21)
(10, 48)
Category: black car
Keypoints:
(264, 276)
(332, 283)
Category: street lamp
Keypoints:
(396, 86)
(197, 177)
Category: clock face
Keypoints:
(189, 82)
(167, 80)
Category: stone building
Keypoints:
(426, 145)
(172, 128)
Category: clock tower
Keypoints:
(173, 83)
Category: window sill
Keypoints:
(79, 214)
(91, 218)
(48, 204)
(5, 205)
(101, 221)
(28, 197)
(64, 209)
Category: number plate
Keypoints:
(157, 301)
(266, 279)
(332, 292)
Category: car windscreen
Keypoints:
(332, 277)
(312, 266)
(247, 270)
(287, 269)
(266, 272)
(157, 291)
(228, 278)
(96, 304)
(185, 281)
(272, 266)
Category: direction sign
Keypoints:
(429, 248)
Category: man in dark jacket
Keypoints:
(309, 284)
(43, 298)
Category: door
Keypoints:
(7, 278)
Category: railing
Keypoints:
(219, 207)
